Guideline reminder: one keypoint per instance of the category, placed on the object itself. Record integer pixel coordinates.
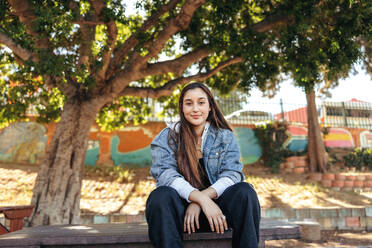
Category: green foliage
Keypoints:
(359, 158)
(21, 90)
(271, 137)
(323, 48)
(123, 111)
(319, 43)
(169, 105)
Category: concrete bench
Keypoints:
(129, 236)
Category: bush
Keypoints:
(271, 137)
(360, 157)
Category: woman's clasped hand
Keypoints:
(216, 219)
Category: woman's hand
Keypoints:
(191, 218)
(216, 219)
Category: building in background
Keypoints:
(353, 113)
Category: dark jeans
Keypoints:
(165, 211)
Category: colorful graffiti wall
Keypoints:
(26, 142)
(23, 142)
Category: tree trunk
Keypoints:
(56, 194)
(316, 150)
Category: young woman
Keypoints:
(196, 164)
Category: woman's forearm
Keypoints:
(202, 196)
(210, 192)
(198, 197)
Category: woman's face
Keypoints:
(196, 107)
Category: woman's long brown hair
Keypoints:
(185, 140)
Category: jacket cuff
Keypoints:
(183, 188)
(221, 185)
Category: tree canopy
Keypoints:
(57, 49)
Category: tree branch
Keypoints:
(112, 33)
(180, 22)
(132, 41)
(88, 32)
(97, 5)
(26, 15)
(272, 22)
(24, 11)
(174, 25)
(168, 88)
(20, 52)
(178, 65)
(92, 23)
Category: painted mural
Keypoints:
(23, 142)
(126, 148)
(26, 142)
(92, 153)
(250, 150)
(297, 139)
(131, 147)
(338, 137)
(93, 150)
(366, 139)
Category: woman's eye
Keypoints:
(202, 103)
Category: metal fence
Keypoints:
(334, 114)
(239, 110)
(353, 114)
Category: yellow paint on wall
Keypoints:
(337, 136)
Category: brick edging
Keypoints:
(341, 181)
(336, 181)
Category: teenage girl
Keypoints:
(196, 164)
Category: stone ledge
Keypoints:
(130, 235)
(329, 218)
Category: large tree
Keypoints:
(321, 52)
(78, 62)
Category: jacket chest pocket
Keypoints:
(217, 151)
(214, 160)
(215, 154)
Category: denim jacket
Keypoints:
(221, 157)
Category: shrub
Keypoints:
(271, 137)
(360, 157)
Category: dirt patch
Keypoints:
(112, 190)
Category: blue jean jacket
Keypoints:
(221, 157)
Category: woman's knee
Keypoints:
(161, 196)
(245, 190)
